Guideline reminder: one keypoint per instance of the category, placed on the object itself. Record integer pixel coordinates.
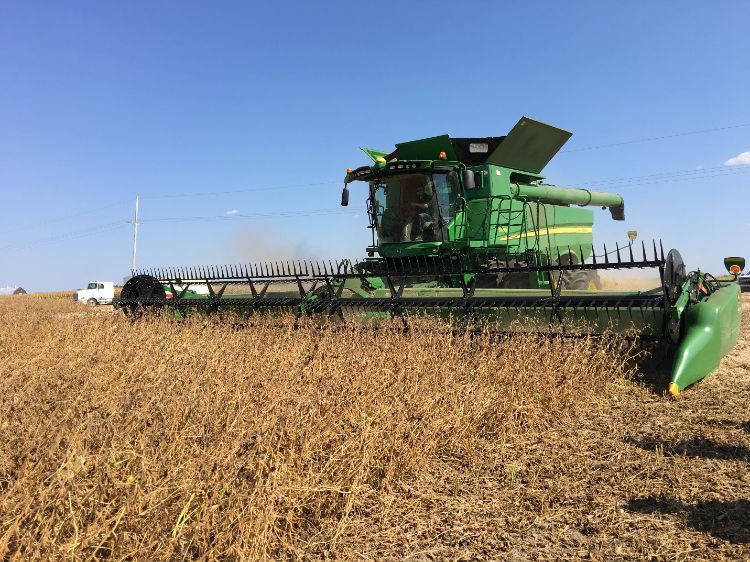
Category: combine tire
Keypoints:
(578, 280)
(509, 280)
(581, 280)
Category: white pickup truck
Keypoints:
(97, 292)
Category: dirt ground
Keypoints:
(157, 440)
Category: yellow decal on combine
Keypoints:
(549, 231)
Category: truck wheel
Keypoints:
(91, 302)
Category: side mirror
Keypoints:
(468, 179)
(345, 196)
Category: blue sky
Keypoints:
(260, 107)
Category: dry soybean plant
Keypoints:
(202, 439)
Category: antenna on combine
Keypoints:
(135, 232)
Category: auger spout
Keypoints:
(570, 196)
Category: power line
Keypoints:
(670, 177)
(248, 190)
(252, 216)
(674, 173)
(96, 230)
(633, 181)
(672, 180)
(66, 218)
(657, 138)
(611, 183)
(64, 237)
(581, 149)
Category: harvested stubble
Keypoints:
(163, 440)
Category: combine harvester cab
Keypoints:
(467, 228)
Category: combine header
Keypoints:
(466, 228)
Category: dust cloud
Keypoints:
(260, 245)
(629, 280)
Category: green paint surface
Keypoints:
(711, 329)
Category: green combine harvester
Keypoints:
(467, 229)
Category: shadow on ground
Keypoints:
(727, 520)
(745, 426)
(695, 447)
(653, 366)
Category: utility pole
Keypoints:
(135, 232)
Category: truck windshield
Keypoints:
(91, 286)
(413, 207)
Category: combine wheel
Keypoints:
(324, 309)
(578, 280)
(515, 280)
(575, 280)
(511, 280)
(142, 293)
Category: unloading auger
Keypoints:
(466, 229)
